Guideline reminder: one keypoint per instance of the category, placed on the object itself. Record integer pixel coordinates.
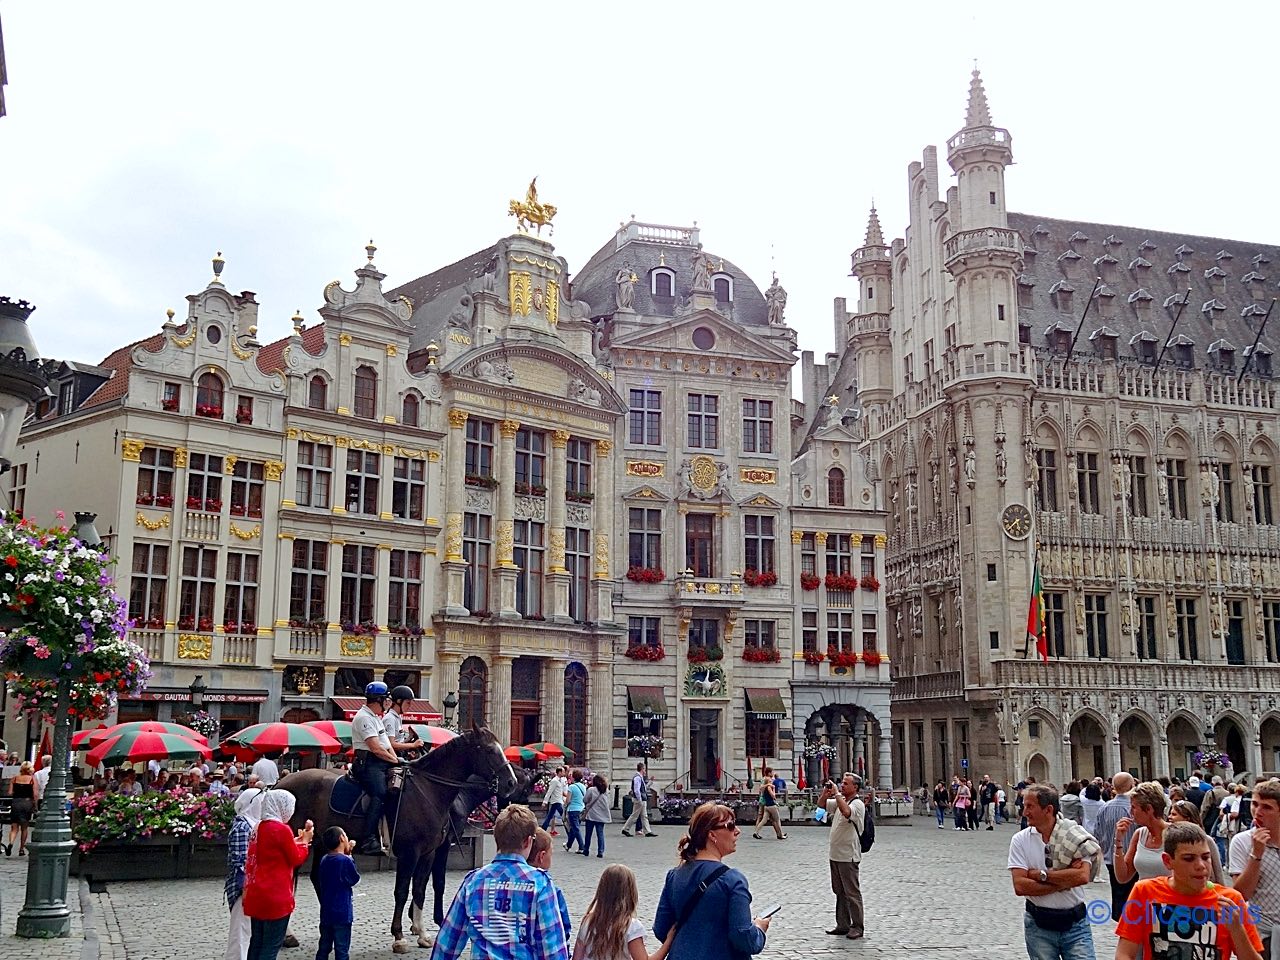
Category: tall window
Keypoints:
(868, 556)
(473, 688)
(404, 590)
(209, 395)
(315, 474)
(1271, 629)
(759, 635)
(1087, 482)
(318, 393)
(1185, 626)
(869, 631)
(409, 410)
(757, 426)
(530, 556)
(1055, 623)
(839, 554)
(1139, 483)
(644, 632)
(577, 560)
(477, 547)
(1225, 509)
(809, 631)
(699, 544)
(1176, 489)
(835, 487)
(663, 284)
(147, 587)
(575, 708)
(531, 461)
(704, 633)
(1148, 628)
(359, 580)
(1047, 481)
(644, 538)
(759, 552)
(1262, 498)
(704, 421)
(18, 490)
(199, 580)
(577, 459)
(761, 736)
(308, 590)
(204, 482)
(240, 602)
(840, 631)
(365, 400)
(155, 478)
(363, 469)
(808, 554)
(644, 418)
(723, 287)
(409, 488)
(171, 396)
(1095, 625)
(479, 453)
(247, 489)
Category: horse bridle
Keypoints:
(410, 770)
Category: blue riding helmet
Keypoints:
(376, 691)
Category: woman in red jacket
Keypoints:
(274, 854)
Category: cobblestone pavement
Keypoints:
(928, 893)
(13, 889)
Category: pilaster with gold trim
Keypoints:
(500, 697)
(289, 478)
(333, 601)
(601, 607)
(284, 576)
(557, 573)
(505, 570)
(553, 700)
(382, 603)
(454, 477)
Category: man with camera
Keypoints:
(847, 816)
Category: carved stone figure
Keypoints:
(1179, 566)
(897, 623)
(1080, 613)
(1246, 475)
(1126, 616)
(1077, 565)
(916, 619)
(1032, 468)
(1162, 482)
(1089, 560)
(776, 299)
(1002, 465)
(1120, 479)
(624, 293)
(1168, 567)
(953, 471)
(1106, 564)
(1212, 566)
(970, 467)
(1208, 487)
(461, 315)
(911, 494)
(1170, 617)
(701, 264)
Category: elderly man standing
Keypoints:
(1051, 862)
(847, 816)
(1112, 812)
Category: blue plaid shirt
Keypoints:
(237, 851)
(508, 910)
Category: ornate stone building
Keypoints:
(1008, 402)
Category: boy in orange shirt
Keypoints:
(1184, 916)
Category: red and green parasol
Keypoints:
(523, 754)
(340, 730)
(432, 736)
(135, 746)
(92, 738)
(280, 737)
(553, 751)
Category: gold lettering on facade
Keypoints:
(192, 646)
(131, 449)
(462, 338)
(757, 475)
(645, 468)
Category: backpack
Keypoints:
(867, 838)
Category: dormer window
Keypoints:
(1183, 355)
(1026, 287)
(722, 284)
(1144, 347)
(1061, 293)
(1222, 355)
(1058, 337)
(1024, 333)
(317, 393)
(1104, 342)
(1258, 362)
(662, 283)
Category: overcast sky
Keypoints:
(143, 137)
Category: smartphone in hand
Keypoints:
(771, 911)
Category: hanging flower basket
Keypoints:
(1213, 757)
(644, 745)
(841, 581)
(759, 578)
(645, 652)
(817, 750)
(809, 581)
(645, 574)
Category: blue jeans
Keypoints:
(596, 827)
(373, 777)
(941, 813)
(336, 937)
(552, 811)
(575, 832)
(1074, 943)
(265, 938)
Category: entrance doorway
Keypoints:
(704, 748)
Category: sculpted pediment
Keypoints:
(729, 339)
(646, 493)
(537, 370)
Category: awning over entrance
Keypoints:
(652, 697)
(418, 711)
(765, 703)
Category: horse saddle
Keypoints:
(348, 798)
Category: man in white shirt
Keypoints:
(847, 816)
(640, 809)
(554, 800)
(1255, 860)
(42, 776)
(403, 739)
(266, 769)
(374, 754)
(217, 784)
(1055, 924)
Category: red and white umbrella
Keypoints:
(134, 746)
(95, 737)
(432, 736)
(279, 737)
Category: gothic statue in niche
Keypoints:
(953, 472)
(1029, 461)
(1208, 486)
(970, 467)
(1002, 465)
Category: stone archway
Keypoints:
(1184, 740)
(1088, 748)
(1269, 738)
(1038, 768)
(1137, 748)
(1229, 737)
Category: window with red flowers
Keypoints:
(240, 602)
(199, 581)
(147, 587)
(209, 395)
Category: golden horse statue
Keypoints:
(531, 213)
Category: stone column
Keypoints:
(600, 720)
(453, 476)
(504, 538)
(884, 756)
(445, 678)
(381, 604)
(284, 576)
(557, 574)
(499, 718)
(601, 585)
(553, 700)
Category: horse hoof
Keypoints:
(424, 942)
(400, 946)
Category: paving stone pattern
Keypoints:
(13, 889)
(928, 893)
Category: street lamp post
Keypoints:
(46, 913)
(197, 690)
(450, 705)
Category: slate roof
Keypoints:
(595, 281)
(436, 294)
(1160, 265)
(117, 366)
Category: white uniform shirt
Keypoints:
(394, 724)
(366, 724)
(1026, 852)
(265, 769)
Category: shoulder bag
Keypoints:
(692, 903)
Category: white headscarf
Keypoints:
(249, 805)
(278, 805)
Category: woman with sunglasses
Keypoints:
(720, 926)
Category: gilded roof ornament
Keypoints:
(532, 212)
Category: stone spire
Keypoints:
(874, 237)
(978, 114)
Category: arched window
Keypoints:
(835, 487)
(662, 283)
(317, 393)
(722, 283)
(366, 395)
(409, 411)
(473, 688)
(209, 395)
(575, 708)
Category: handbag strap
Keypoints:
(692, 903)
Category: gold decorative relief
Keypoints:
(820, 538)
(343, 411)
(152, 525)
(193, 646)
(239, 351)
(557, 550)
(184, 342)
(703, 473)
(292, 433)
(604, 447)
(392, 351)
(881, 540)
(254, 531)
(645, 468)
(273, 470)
(230, 462)
(520, 293)
(559, 439)
(131, 450)
(344, 339)
(505, 542)
(797, 536)
(352, 645)
(553, 302)
(757, 475)
(458, 336)
(760, 500)
(457, 418)
(508, 429)
(602, 554)
(179, 456)
(433, 456)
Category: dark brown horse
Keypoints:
(431, 785)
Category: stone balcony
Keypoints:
(999, 243)
(708, 591)
(1137, 676)
(929, 686)
(824, 672)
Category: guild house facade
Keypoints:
(1103, 394)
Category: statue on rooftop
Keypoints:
(776, 299)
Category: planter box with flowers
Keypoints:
(190, 622)
(243, 627)
(761, 655)
(244, 415)
(169, 404)
(480, 480)
(641, 651)
(364, 628)
(872, 658)
(531, 489)
(809, 581)
(869, 582)
(579, 496)
(678, 809)
(646, 574)
(208, 410)
(814, 657)
(202, 722)
(843, 658)
(406, 629)
(841, 581)
(705, 654)
(759, 578)
(241, 510)
(644, 745)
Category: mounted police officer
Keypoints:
(374, 756)
(403, 739)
